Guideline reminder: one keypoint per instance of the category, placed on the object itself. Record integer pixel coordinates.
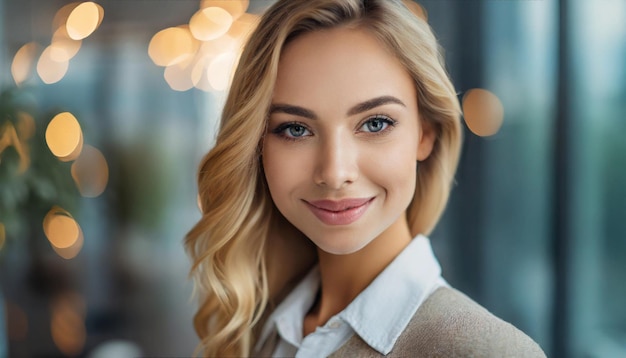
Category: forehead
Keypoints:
(338, 67)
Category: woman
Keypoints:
(337, 148)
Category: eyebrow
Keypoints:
(359, 108)
(373, 103)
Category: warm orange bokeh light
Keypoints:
(23, 62)
(483, 112)
(171, 46)
(69, 253)
(416, 9)
(55, 210)
(64, 137)
(210, 23)
(62, 231)
(63, 48)
(90, 172)
(235, 8)
(3, 236)
(49, 70)
(83, 20)
(67, 324)
(220, 70)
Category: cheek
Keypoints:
(283, 169)
(399, 173)
(395, 171)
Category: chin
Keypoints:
(340, 246)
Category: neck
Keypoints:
(343, 277)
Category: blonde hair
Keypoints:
(236, 246)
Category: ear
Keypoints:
(427, 136)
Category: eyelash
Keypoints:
(386, 119)
(280, 130)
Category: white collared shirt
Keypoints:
(378, 315)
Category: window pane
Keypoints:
(598, 174)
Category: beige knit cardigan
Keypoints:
(447, 324)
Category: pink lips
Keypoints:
(342, 212)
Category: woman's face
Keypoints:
(343, 139)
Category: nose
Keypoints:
(336, 164)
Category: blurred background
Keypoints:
(106, 109)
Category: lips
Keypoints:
(342, 212)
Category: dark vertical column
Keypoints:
(469, 194)
(561, 189)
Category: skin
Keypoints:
(344, 124)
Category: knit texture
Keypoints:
(450, 324)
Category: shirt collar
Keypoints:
(296, 304)
(401, 287)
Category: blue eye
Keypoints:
(292, 131)
(296, 130)
(377, 124)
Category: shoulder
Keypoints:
(451, 324)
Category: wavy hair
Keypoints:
(244, 253)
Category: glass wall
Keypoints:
(597, 173)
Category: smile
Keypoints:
(342, 212)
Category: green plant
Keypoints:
(32, 179)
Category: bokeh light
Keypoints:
(55, 210)
(100, 14)
(178, 76)
(235, 8)
(3, 236)
(67, 324)
(49, 70)
(64, 137)
(63, 48)
(60, 18)
(220, 70)
(171, 46)
(199, 73)
(62, 230)
(84, 20)
(90, 172)
(241, 28)
(416, 9)
(17, 322)
(219, 29)
(210, 23)
(483, 112)
(70, 252)
(218, 46)
(23, 62)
